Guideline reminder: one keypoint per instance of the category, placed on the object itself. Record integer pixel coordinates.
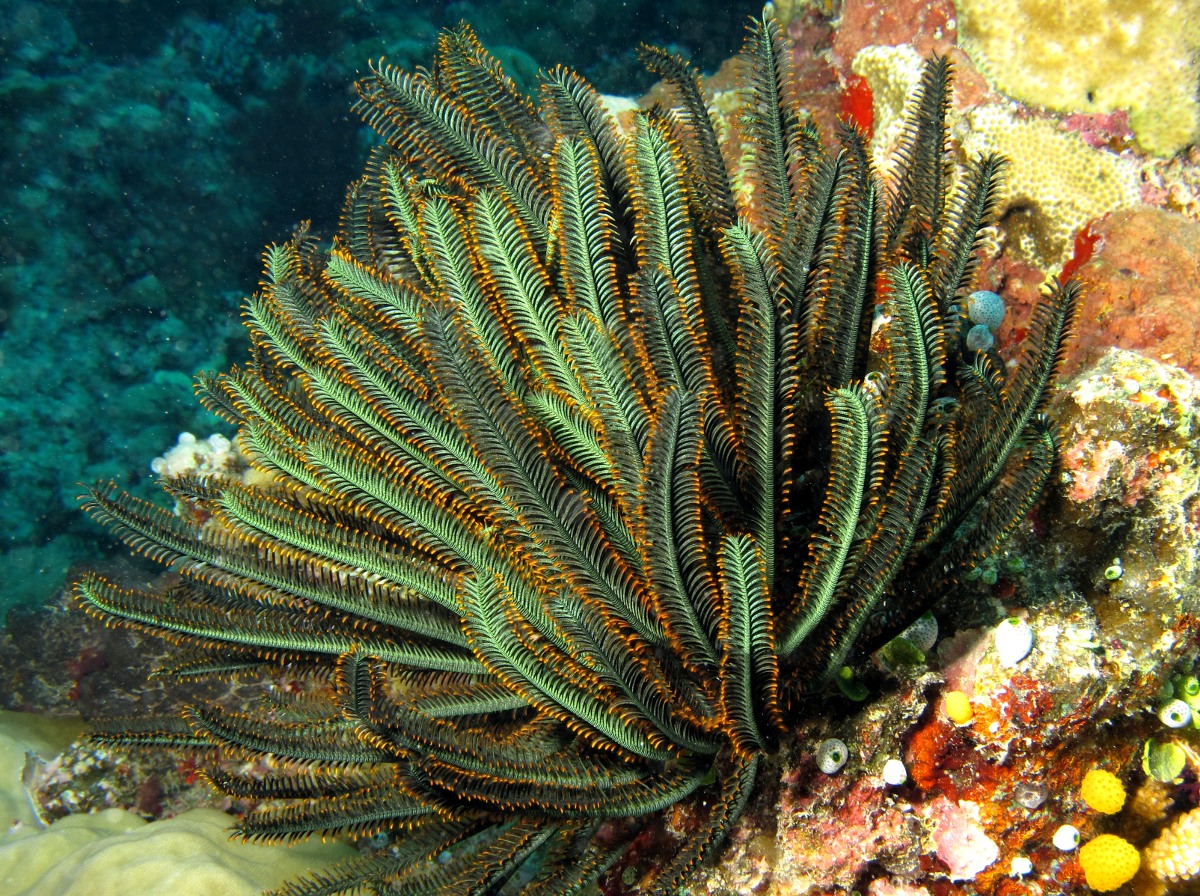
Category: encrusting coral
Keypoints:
(1056, 183)
(113, 851)
(575, 467)
(1095, 56)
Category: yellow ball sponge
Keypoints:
(958, 707)
(1103, 791)
(1108, 862)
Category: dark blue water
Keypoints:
(150, 150)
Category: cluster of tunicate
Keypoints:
(910, 646)
(985, 311)
(987, 572)
(1108, 861)
(1178, 708)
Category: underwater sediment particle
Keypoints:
(1095, 56)
(567, 481)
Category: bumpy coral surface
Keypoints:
(1095, 56)
(116, 853)
(1175, 854)
(1056, 183)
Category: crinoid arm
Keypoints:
(569, 454)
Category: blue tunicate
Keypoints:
(979, 338)
(986, 309)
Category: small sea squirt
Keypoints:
(832, 755)
(985, 308)
(1014, 640)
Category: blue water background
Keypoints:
(150, 150)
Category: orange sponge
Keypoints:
(1102, 791)
(1108, 862)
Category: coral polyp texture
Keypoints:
(1174, 855)
(574, 468)
(1095, 56)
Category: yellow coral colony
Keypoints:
(1054, 184)
(1175, 855)
(1103, 791)
(1108, 862)
(1095, 56)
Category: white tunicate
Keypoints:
(1020, 866)
(1014, 640)
(1066, 838)
(923, 633)
(980, 338)
(894, 772)
(1175, 714)
(832, 755)
(985, 308)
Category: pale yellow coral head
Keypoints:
(1095, 56)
